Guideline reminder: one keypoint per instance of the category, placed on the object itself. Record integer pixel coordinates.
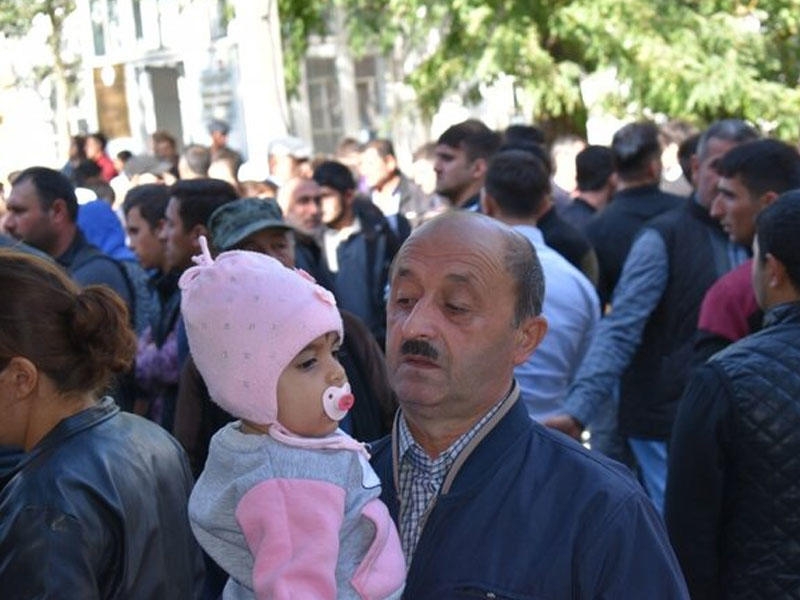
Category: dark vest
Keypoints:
(654, 381)
(611, 232)
(761, 529)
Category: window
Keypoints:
(325, 104)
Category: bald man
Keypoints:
(488, 502)
(300, 199)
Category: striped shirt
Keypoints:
(420, 478)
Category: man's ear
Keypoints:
(159, 226)
(58, 211)
(766, 199)
(478, 168)
(528, 336)
(694, 168)
(196, 232)
(655, 167)
(775, 272)
(488, 204)
(611, 183)
(22, 377)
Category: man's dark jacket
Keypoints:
(734, 474)
(98, 509)
(654, 381)
(364, 259)
(531, 514)
(611, 231)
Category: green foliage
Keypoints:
(300, 19)
(16, 16)
(692, 59)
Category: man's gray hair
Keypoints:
(525, 269)
(729, 130)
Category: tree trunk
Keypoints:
(61, 118)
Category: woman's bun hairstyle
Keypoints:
(77, 337)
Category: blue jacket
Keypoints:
(531, 514)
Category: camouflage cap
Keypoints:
(233, 222)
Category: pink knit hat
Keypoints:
(247, 316)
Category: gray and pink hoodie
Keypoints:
(288, 522)
(285, 516)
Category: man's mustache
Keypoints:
(419, 348)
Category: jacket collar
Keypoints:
(634, 193)
(78, 243)
(499, 429)
(102, 411)
(701, 213)
(786, 313)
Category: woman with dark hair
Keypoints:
(97, 506)
(77, 153)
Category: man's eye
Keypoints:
(454, 308)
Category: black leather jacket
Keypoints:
(98, 509)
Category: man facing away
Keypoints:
(596, 180)
(488, 502)
(643, 347)
(516, 185)
(637, 155)
(732, 496)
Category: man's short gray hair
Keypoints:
(525, 269)
(730, 130)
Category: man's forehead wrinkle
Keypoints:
(457, 267)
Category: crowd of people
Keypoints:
(326, 378)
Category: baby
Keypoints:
(287, 503)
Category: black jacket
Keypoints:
(570, 243)
(653, 382)
(611, 232)
(734, 467)
(98, 509)
(363, 275)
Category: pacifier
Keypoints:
(336, 401)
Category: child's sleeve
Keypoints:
(292, 528)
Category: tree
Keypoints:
(300, 19)
(16, 17)
(692, 59)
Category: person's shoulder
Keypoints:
(92, 266)
(731, 286)
(131, 438)
(586, 472)
(565, 279)
(380, 450)
(100, 445)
